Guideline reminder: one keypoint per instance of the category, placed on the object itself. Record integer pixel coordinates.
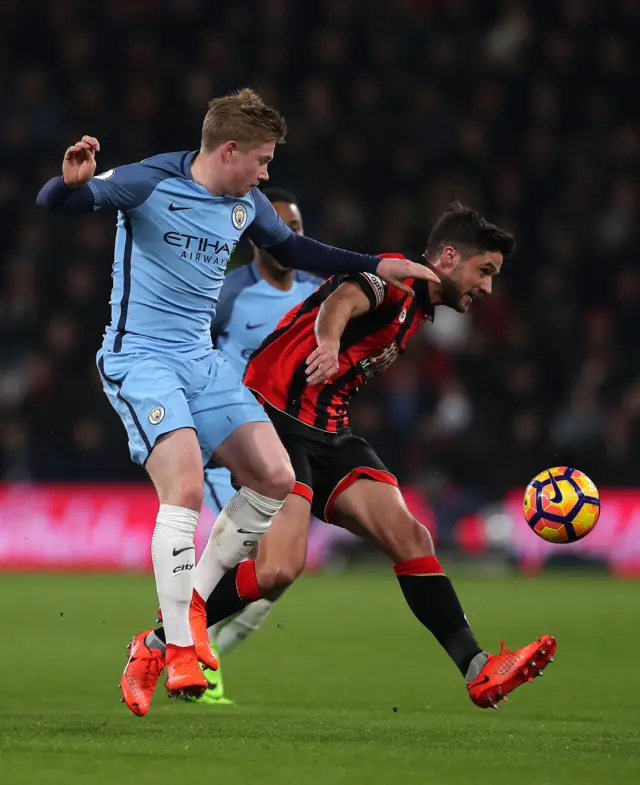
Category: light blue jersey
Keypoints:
(249, 309)
(173, 242)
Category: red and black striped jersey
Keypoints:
(370, 344)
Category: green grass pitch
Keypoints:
(316, 689)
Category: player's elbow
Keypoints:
(44, 197)
(56, 196)
(350, 299)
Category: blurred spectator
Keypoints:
(522, 109)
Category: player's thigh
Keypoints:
(377, 511)
(217, 488)
(148, 392)
(234, 429)
(366, 500)
(283, 549)
(257, 460)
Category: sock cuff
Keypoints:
(247, 581)
(178, 517)
(423, 565)
(263, 504)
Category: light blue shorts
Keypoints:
(158, 393)
(217, 489)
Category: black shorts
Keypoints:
(326, 464)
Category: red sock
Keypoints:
(247, 581)
(423, 565)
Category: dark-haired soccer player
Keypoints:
(180, 215)
(349, 331)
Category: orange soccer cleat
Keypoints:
(184, 679)
(141, 674)
(503, 672)
(199, 633)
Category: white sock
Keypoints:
(174, 556)
(236, 532)
(233, 632)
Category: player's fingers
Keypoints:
(71, 150)
(316, 378)
(322, 370)
(419, 271)
(315, 354)
(315, 365)
(91, 140)
(403, 287)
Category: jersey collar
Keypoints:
(421, 289)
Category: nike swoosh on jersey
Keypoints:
(173, 208)
(255, 326)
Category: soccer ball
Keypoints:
(561, 505)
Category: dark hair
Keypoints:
(280, 195)
(469, 232)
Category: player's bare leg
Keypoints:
(281, 558)
(377, 511)
(259, 463)
(175, 467)
(279, 561)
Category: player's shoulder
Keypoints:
(174, 164)
(302, 276)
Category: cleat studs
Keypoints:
(533, 663)
(551, 660)
(540, 673)
(494, 706)
(543, 651)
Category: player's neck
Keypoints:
(282, 280)
(205, 174)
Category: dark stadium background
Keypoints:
(524, 110)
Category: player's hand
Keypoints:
(395, 270)
(79, 164)
(323, 363)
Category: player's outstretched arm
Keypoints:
(77, 190)
(347, 302)
(70, 191)
(303, 253)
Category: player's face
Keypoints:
(465, 279)
(291, 215)
(248, 167)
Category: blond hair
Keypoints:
(244, 118)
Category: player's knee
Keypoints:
(277, 576)
(187, 491)
(405, 538)
(279, 479)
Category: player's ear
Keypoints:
(227, 150)
(448, 259)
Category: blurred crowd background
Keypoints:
(525, 110)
